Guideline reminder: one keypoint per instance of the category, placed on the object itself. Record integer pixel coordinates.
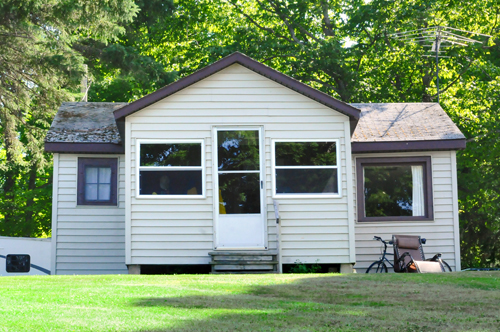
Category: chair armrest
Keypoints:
(436, 258)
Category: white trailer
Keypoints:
(24, 256)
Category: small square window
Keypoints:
(97, 181)
(394, 189)
(17, 263)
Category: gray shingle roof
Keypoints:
(389, 122)
(85, 123)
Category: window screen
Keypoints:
(306, 168)
(170, 169)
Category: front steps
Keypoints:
(244, 262)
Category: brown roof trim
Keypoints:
(251, 64)
(104, 148)
(366, 147)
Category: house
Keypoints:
(195, 167)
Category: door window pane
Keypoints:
(239, 193)
(306, 181)
(238, 150)
(178, 154)
(170, 182)
(388, 190)
(306, 154)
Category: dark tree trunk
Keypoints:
(28, 227)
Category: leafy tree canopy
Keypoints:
(341, 47)
(38, 70)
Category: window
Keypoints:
(17, 263)
(97, 181)
(306, 168)
(394, 189)
(238, 169)
(170, 168)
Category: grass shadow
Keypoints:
(340, 303)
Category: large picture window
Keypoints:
(306, 168)
(394, 189)
(97, 181)
(169, 168)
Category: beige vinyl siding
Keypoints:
(88, 239)
(181, 231)
(441, 233)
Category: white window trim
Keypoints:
(138, 168)
(291, 196)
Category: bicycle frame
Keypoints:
(384, 253)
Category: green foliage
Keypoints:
(300, 267)
(340, 47)
(38, 70)
(126, 70)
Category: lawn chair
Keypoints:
(409, 256)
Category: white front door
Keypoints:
(238, 189)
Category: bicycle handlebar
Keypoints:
(378, 238)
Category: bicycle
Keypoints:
(379, 266)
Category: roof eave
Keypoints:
(84, 147)
(251, 64)
(399, 146)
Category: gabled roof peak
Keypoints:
(251, 64)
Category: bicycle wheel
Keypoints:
(377, 267)
(446, 266)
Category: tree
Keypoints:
(341, 47)
(39, 69)
(344, 49)
(125, 70)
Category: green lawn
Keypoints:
(466, 301)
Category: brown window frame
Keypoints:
(83, 163)
(360, 186)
